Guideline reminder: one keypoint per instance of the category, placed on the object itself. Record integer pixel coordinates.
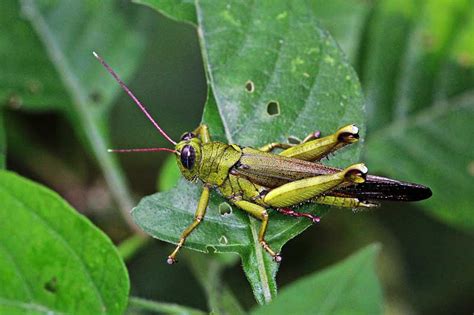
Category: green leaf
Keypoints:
(419, 83)
(53, 260)
(349, 287)
(345, 20)
(255, 55)
(179, 10)
(63, 43)
(69, 32)
(28, 79)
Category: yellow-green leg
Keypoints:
(202, 131)
(344, 202)
(316, 149)
(278, 145)
(293, 193)
(337, 201)
(198, 217)
(260, 213)
(274, 145)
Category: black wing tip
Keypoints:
(422, 193)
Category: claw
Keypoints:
(277, 258)
(312, 136)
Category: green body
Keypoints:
(255, 179)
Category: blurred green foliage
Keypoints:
(415, 61)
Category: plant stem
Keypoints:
(90, 124)
(208, 271)
(129, 247)
(162, 308)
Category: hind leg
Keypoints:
(296, 192)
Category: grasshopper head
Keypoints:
(188, 155)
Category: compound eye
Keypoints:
(187, 136)
(188, 156)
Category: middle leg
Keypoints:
(314, 149)
(259, 212)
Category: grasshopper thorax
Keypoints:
(188, 156)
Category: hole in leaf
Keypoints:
(250, 86)
(273, 108)
(225, 208)
(15, 101)
(470, 168)
(211, 249)
(294, 140)
(34, 87)
(223, 240)
(51, 285)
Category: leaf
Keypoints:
(345, 20)
(53, 260)
(28, 80)
(419, 83)
(349, 287)
(259, 54)
(179, 10)
(31, 66)
(68, 31)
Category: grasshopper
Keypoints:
(256, 179)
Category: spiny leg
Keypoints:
(302, 190)
(198, 216)
(293, 213)
(316, 149)
(259, 212)
(344, 202)
(337, 201)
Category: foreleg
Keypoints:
(198, 216)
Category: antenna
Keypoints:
(142, 150)
(127, 90)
